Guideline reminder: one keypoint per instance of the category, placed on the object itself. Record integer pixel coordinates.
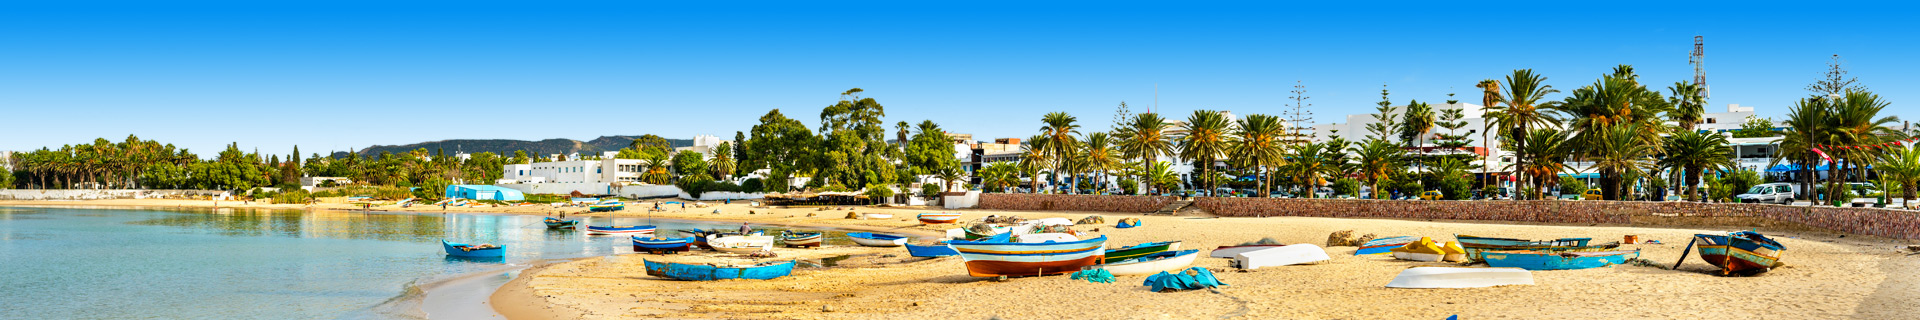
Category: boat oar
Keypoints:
(1683, 253)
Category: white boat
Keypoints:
(1451, 277)
(879, 216)
(1049, 222)
(740, 244)
(1281, 256)
(877, 240)
(1230, 251)
(957, 234)
(1153, 263)
(1046, 237)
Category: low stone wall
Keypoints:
(104, 194)
(1062, 202)
(1898, 224)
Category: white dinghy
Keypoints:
(740, 244)
(1281, 256)
(1451, 277)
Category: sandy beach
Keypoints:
(1827, 276)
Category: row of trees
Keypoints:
(135, 163)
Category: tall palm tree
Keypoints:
(1806, 130)
(1690, 153)
(1522, 108)
(998, 176)
(1378, 161)
(1145, 138)
(1419, 120)
(949, 175)
(1204, 141)
(1616, 100)
(1688, 104)
(1256, 143)
(1098, 154)
(1621, 152)
(1060, 130)
(1311, 164)
(1855, 122)
(1489, 95)
(1547, 151)
(1033, 160)
(1902, 165)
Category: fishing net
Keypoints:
(1094, 276)
(1189, 279)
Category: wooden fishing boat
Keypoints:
(1230, 251)
(1046, 237)
(1140, 250)
(740, 244)
(1536, 260)
(608, 206)
(473, 251)
(1282, 256)
(695, 272)
(1743, 252)
(877, 240)
(939, 218)
(1152, 263)
(700, 236)
(560, 224)
(879, 215)
(977, 235)
(662, 245)
(1383, 245)
(1450, 277)
(620, 230)
(1476, 245)
(1012, 259)
(937, 250)
(801, 239)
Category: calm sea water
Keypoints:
(65, 263)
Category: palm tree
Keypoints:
(998, 176)
(1688, 104)
(1621, 152)
(1204, 141)
(949, 175)
(1419, 120)
(1033, 160)
(1098, 155)
(1060, 131)
(1521, 108)
(1547, 151)
(1256, 143)
(1902, 165)
(1489, 95)
(1806, 129)
(1311, 162)
(1378, 160)
(1145, 138)
(1690, 153)
(1615, 100)
(1855, 121)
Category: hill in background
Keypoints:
(506, 147)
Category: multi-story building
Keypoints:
(605, 170)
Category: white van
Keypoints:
(1781, 193)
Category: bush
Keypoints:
(1569, 185)
(752, 185)
(545, 198)
(1346, 186)
(1130, 186)
(1492, 189)
(294, 196)
(879, 193)
(929, 190)
(1456, 188)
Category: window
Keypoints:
(1710, 120)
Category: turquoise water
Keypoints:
(63, 263)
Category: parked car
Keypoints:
(1780, 193)
(1432, 195)
(1593, 194)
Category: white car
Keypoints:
(1780, 193)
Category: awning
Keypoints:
(1589, 175)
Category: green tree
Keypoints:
(853, 151)
(1034, 160)
(998, 176)
(1689, 101)
(1523, 107)
(1061, 142)
(1144, 138)
(1204, 141)
(785, 146)
(1379, 159)
(650, 141)
(1101, 156)
(1756, 127)
(1256, 143)
(1690, 154)
(1599, 110)
(722, 164)
(1902, 165)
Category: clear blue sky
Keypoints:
(331, 75)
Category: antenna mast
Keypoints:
(1699, 61)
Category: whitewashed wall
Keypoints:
(559, 188)
(970, 200)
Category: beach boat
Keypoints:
(939, 218)
(1046, 237)
(1230, 251)
(801, 239)
(877, 240)
(1383, 245)
(936, 250)
(1743, 252)
(695, 272)
(1476, 245)
(560, 224)
(1451, 277)
(609, 206)
(662, 245)
(740, 244)
(473, 251)
(1140, 250)
(1127, 223)
(1012, 259)
(1049, 222)
(620, 230)
(878, 215)
(1158, 262)
(1535, 260)
(1282, 256)
(977, 235)
(1428, 251)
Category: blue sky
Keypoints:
(333, 75)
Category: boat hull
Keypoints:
(662, 245)
(622, 230)
(1010, 259)
(740, 244)
(1140, 250)
(562, 224)
(1282, 256)
(692, 272)
(930, 251)
(877, 240)
(1450, 277)
(879, 216)
(1382, 245)
(1476, 245)
(1230, 251)
(1739, 252)
(1172, 261)
(939, 218)
(456, 249)
(801, 241)
(1534, 260)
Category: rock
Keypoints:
(826, 308)
(851, 215)
(1340, 238)
(1363, 239)
(810, 215)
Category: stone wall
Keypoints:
(1062, 202)
(1898, 224)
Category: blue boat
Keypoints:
(1743, 252)
(695, 272)
(877, 240)
(472, 251)
(619, 230)
(1477, 245)
(1571, 260)
(661, 245)
(1382, 245)
(560, 224)
(609, 206)
(938, 250)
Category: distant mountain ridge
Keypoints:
(506, 147)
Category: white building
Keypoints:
(1729, 121)
(704, 144)
(605, 170)
(1355, 130)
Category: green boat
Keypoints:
(1139, 250)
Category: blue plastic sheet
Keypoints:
(1201, 278)
(1095, 276)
